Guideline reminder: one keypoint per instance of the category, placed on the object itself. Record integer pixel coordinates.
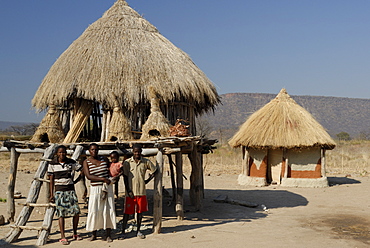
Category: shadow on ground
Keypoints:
(341, 180)
(213, 213)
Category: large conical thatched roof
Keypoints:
(118, 57)
(282, 123)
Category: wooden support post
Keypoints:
(245, 164)
(201, 173)
(157, 210)
(82, 183)
(14, 155)
(323, 163)
(195, 193)
(173, 182)
(286, 163)
(46, 225)
(180, 187)
(47, 187)
(33, 194)
(285, 155)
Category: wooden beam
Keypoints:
(180, 187)
(14, 155)
(26, 227)
(157, 210)
(196, 193)
(46, 225)
(37, 204)
(33, 194)
(173, 182)
(323, 163)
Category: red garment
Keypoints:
(138, 204)
(115, 168)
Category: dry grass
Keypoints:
(118, 56)
(281, 123)
(349, 157)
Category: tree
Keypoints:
(343, 136)
(203, 127)
(26, 129)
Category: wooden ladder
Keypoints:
(33, 194)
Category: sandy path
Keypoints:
(337, 216)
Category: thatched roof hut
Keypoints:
(282, 123)
(116, 59)
(280, 130)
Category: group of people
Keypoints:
(103, 174)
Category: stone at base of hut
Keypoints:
(225, 199)
(2, 220)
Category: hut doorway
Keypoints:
(274, 165)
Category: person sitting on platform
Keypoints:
(134, 170)
(61, 173)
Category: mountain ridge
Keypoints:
(335, 114)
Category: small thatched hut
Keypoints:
(111, 66)
(283, 144)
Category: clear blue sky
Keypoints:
(309, 47)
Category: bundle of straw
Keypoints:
(50, 128)
(79, 121)
(119, 126)
(156, 124)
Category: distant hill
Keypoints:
(5, 124)
(335, 114)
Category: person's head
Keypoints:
(136, 150)
(61, 153)
(94, 150)
(114, 157)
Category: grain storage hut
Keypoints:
(106, 75)
(283, 144)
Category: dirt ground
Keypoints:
(337, 216)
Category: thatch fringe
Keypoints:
(50, 128)
(119, 55)
(282, 123)
(157, 124)
(119, 126)
(79, 121)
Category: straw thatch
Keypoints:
(119, 126)
(282, 123)
(157, 124)
(81, 116)
(50, 128)
(118, 57)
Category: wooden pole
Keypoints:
(286, 163)
(14, 155)
(173, 183)
(104, 123)
(201, 173)
(46, 225)
(33, 194)
(323, 163)
(157, 210)
(195, 192)
(180, 187)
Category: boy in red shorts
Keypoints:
(134, 170)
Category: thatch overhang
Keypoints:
(118, 57)
(282, 123)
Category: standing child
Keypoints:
(61, 172)
(134, 170)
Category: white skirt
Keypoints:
(101, 213)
